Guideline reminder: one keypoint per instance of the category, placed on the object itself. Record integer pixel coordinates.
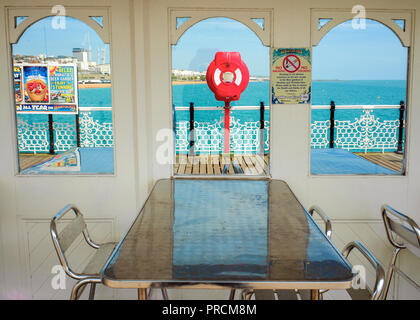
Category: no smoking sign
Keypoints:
(291, 63)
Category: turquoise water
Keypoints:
(368, 92)
(372, 92)
(95, 97)
(342, 92)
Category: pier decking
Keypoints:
(28, 160)
(251, 164)
(246, 164)
(390, 160)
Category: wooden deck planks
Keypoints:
(390, 160)
(29, 160)
(250, 164)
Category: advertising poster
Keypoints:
(35, 81)
(47, 89)
(68, 161)
(291, 76)
(62, 84)
(17, 76)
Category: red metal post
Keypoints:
(227, 127)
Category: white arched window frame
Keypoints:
(389, 18)
(19, 19)
(386, 17)
(32, 15)
(260, 21)
(246, 16)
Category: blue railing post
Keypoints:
(77, 130)
(400, 128)
(332, 111)
(192, 137)
(174, 119)
(51, 132)
(262, 126)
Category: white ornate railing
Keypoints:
(209, 136)
(95, 134)
(34, 137)
(367, 132)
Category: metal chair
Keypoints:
(362, 293)
(408, 233)
(287, 294)
(366, 294)
(355, 294)
(63, 240)
(324, 217)
(305, 294)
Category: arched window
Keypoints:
(359, 100)
(200, 120)
(62, 84)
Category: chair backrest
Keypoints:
(404, 227)
(380, 273)
(63, 240)
(324, 217)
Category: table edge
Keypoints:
(303, 285)
(281, 285)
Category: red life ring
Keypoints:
(227, 76)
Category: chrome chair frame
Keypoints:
(328, 232)
(380, 273)
(391, 227)
(324, 217)
(83, 279)
(247, 294)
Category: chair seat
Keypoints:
(287, 295)
(264, 295)
(270, 295)
(99, 259)
(359, 294)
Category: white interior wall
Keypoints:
(113, 197)
(141, 60)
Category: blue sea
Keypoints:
(355, 92)
(368, 92)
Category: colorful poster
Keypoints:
(64, 162)
(48, 89)
(35, 79)
(62, 84)
(46, 108)
(17, 76)
(291, 76)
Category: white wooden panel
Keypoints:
(409, 264)
(372, 234)
(39, 256)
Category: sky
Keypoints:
(42, 38)
(197, 46)
(343, 54)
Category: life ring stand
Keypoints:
(227, 76)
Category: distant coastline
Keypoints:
(178, 82)
(94, 85)
(181, 82)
